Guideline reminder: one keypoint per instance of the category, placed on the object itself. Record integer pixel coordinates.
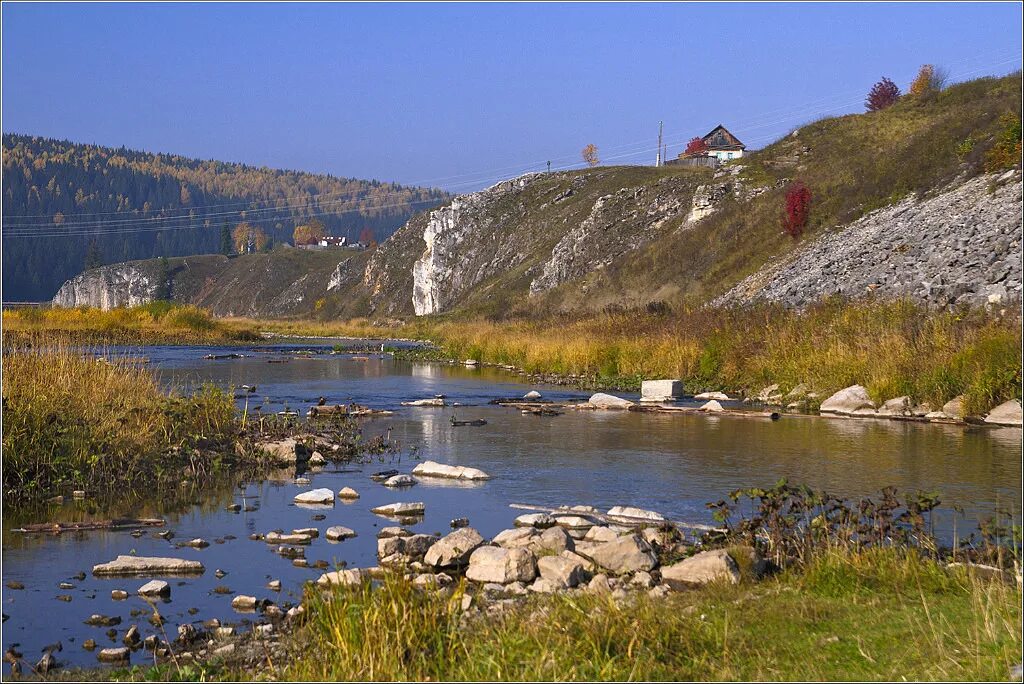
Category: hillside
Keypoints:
(633, 237)
(58, 196)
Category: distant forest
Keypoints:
(67, 204)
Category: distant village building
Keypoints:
(331, 242)
(721, 146)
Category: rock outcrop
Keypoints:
(959, 246)
(108, 287)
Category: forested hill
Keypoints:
(60, 196)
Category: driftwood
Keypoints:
(617, 520)
(115, 524)
(661, 408)
(519, 401)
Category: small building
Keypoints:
(723, 145)
(331, 241)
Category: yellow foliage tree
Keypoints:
(590, 155)
(309, 233)
(242, 237)
(929, 79)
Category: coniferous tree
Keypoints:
(93, 259)
(225, 240)
(163, 280)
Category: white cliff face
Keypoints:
(108, 287)
(461, 247)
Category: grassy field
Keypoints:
(75, 421)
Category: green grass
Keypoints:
(884, 615)
(74, 421)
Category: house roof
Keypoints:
(721, 139)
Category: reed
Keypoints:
(73, 419)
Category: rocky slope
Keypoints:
(959, 246)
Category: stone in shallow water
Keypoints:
(608, 401)
(399, 509)
(541, 520)
(846, 401)
(155, 588)
(631, 514)
(400, 481)
(316, 496)
(339, 533)
(120, 654)
(1008, 413)
(434, 469)
(148, 565)
(660, 390)
(348, 493)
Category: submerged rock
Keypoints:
(400, 481)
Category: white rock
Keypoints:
(624, 555)
(954, 408)
(343, 578)
(339, 533)
(1007, 413)
(155, 588)
(399, 509)
(400, 481)
(316, 496)
(243, 603)
(119, 654)
(279, 538)
(846, 401)
(599, 584)
(574, 522)
(454, 549)
(394, 531)
(544, 586)
(900, 406)
(717, 396)
(541, 520)
(516, 537)
(317, 459)
(434, 469)
(148, 565)
(706, 566)
(561, 570)
(552, 540)
(348, 493)
(660, 390)
(532, 395)
(631, 514)
(608, 401)
(424, 402)
(712, 407)
(496, 564)
(471, 362)
(600, 534)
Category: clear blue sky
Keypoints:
(459, 95)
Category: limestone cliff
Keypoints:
(127, 284)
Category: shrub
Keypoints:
(883, 94)
(1006, 153)
(798, 206)
(696, 146)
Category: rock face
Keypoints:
(1008, 413)
(961, 246)
(502, 566)
(108, 287)
(848, 401)
(148, 565)
(707, 566)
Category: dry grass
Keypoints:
(74, 421)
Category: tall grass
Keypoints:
(892, 348)
(72, 420)
(877, 615)
(159, 322)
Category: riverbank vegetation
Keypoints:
(75, 419)
(892, 348)
(159, 322)
(844, 616)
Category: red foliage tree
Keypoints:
(366, 236)
(883, 94)
(696, 146)
(798, 207)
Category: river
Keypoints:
(671, 463)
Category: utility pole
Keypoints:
(659, 161)
(549, 167)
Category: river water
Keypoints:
(672, 463)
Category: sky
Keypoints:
(462, 95)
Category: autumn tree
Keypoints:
(696, 146)
(883, 94)
(260, 240)
(798, 208)
(929, 80)
(590, 155)
(243, 236)
(309, 233)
